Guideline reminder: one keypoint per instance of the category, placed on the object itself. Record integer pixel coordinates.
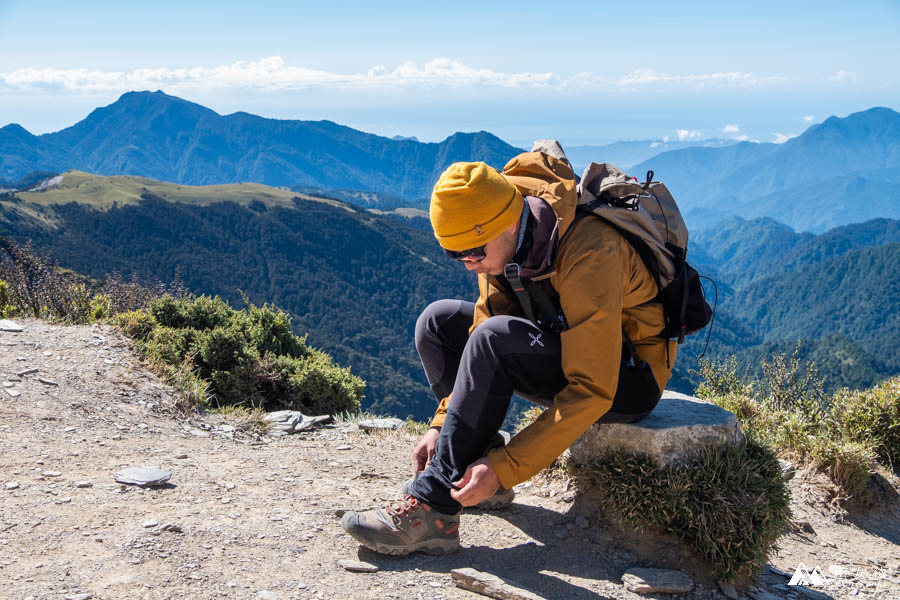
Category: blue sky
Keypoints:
(582, 72)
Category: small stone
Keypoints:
(149, 524)
(266, 595)
(143, 476)
(83, 484)
(13, 393)
(47, 353)
(787, 468)
(226, 500)
(7, 325)
(728, 590)
(14, 378)
(827, 544)
(656, 581)
(12, 485)
(63, 501)
(376, 424)
(561, 533)
(489, 585)
(85, 596)
(68, 430)
(51, 473)
(229, 486)
(357, 566)
(181, 456)
(8, 384)
(173, 527)
(345, 447)
(582, 522)
(47, 382)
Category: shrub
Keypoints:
(872, 417)
(845, 435)
(729, 506)
(6, 309)
(247, 358)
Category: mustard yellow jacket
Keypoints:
(603, 286)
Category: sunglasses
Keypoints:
(470, 255)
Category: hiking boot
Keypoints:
(501, 499)
(402, 527)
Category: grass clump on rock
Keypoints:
(221, 356)
(728, 505)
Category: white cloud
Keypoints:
(731, 129)
(643, 77)
(743, 138)
(808, 119)
(780, 138)
(843, 76)
(272, 73)
(686, 134)
(655, 144)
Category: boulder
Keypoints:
(677, 428)
(285, 422)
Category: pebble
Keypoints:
(13, 393)
(83, 484)
(8, 384)
(582, 522)
(728, 590)
(12, 485)
(148, 524)
(14, 378)
(345, 447)
(47, 353)
(357, 566)
(266, 595)
(373, 424)
(181, 456)
(51, 473)
(85, 596)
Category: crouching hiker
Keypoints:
(567, 317)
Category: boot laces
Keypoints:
(401, 508)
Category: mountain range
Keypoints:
(155, 135)
(840, 171)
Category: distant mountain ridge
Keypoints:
(837, 172)
(155, 135)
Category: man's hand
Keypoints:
(479, 483)
(425, 449)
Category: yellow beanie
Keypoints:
(472, 204)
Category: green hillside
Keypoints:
(354, 280)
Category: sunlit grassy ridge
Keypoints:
(101, 192)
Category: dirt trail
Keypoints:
(258, 517)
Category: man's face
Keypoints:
(497, 253)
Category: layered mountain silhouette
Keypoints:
(155, 135)
(837, 172)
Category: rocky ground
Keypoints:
(248, 518)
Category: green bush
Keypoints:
(247, 358)
(730, 506)
(845, 435)
(6, 309)
(872, 417)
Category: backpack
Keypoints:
(647, 216)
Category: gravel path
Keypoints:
(249, 518)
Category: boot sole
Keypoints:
(428, 547)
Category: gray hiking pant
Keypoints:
(480, 373)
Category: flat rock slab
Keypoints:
(677, 428)
(358, 566)
(656, 581)
(7, 325)
(143, 476)
(285, 422)
(373, 424)
(489, 585)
